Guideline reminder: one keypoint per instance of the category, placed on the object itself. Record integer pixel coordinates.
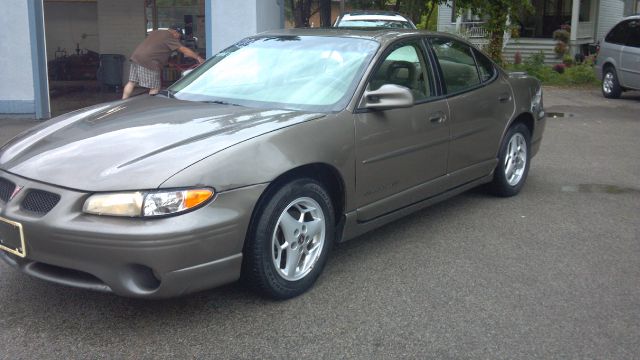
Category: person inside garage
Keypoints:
(151, 55)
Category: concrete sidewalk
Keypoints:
(11, 126)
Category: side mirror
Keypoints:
(388, 96)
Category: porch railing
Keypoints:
(473, 30)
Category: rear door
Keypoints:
(481, 104)
(630, 57)
(400, 152)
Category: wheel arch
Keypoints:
(608, 64)
(324, 173)
(525, 118)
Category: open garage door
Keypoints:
(89, 42)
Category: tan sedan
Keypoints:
(258, 161)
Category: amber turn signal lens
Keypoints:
(196, 197)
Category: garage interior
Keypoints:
(89, 41)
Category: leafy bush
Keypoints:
(578, 75)
(561, 35)
(581, 75)
(535, 59)
(567, 60)
(560, 49)
(559, 68)
(517, 58)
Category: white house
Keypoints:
(591, 18)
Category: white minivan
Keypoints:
(618, 61)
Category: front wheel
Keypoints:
(513, 162)
(290, 239)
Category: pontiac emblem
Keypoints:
(15, 191)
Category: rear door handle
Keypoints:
(437, 117)
(504, 97)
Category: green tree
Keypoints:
(497, 12)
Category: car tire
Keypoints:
(289, 239)
(611, 88)
(513, 162)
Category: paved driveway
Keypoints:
(552, 273)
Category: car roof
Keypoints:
(382, 36)
(370, 12)
(373, 16)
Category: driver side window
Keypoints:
(405, 66)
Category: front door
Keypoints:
(399, 151)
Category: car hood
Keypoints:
(136, 143)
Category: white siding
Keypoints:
(233, 21)
(444, 17)
(16, 73)
(610, 12)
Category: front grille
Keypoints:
(39, 201)
(6, 189)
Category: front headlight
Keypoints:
(147, 203)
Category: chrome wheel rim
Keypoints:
(516, 159)
(607, 83)
(298, 239)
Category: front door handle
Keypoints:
(504, 97)
(437, 117)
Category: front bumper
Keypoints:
(152, 258)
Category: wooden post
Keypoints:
(575, 18)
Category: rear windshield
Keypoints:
(376, 23)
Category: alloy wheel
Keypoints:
(516, 159)
(607, 83)
(298, 239)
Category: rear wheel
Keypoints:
(610, 86)
(513, 162)
(289, 243)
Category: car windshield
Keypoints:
(311, 73)
(376, 23)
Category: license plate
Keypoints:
(12, 237)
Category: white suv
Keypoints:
(376, 19)
(618, 61)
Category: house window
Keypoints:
(630, 7)
(585, 10)
(454, 10)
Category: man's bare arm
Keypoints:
(190, 53)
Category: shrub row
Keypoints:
(565, 74)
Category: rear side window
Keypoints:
(457, 64)
(618, 34)
(485, 66)
(634, 34)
